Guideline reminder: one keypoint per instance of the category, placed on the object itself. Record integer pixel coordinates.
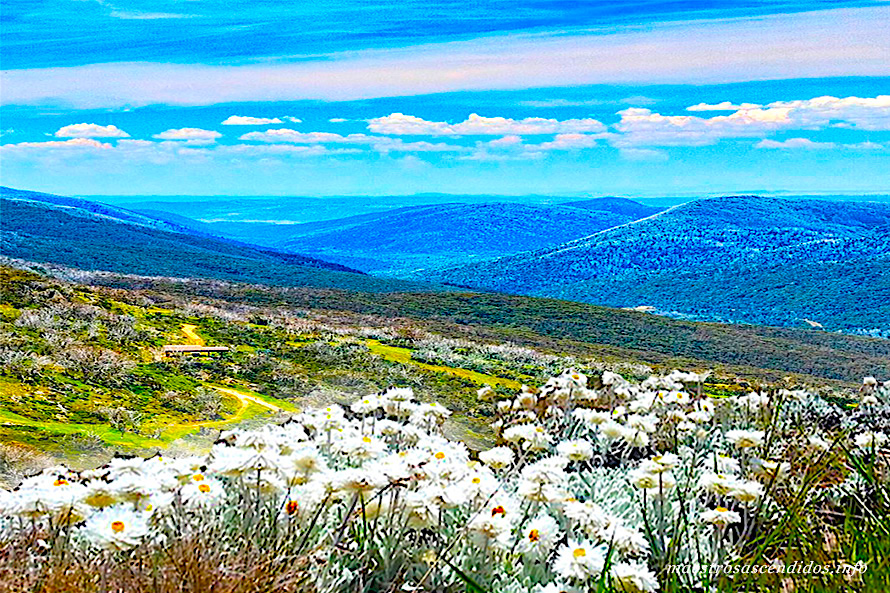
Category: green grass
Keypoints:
(403, 356)
(107, 434)
(322, 364)
(564, 327)
(172, 430)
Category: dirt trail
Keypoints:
(245, 399)
(191, 334)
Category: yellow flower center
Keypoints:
(498, 510)
(60, 482)
(477, 480)
(366, 439)
(439, 455)
(292, 507)
(534, 535)
(204, 488)
(198, 477)
(722, 509)
(117, 526)
(579, 553)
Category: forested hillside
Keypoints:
(419, 237)
(740, 259)
(81, 234)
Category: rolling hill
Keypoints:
(623, 206)
(87, 235)
(739, 259)
(416, 238)
(141, 254)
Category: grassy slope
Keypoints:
(57, 409)
(565, 326)
(403, 356)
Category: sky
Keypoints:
(390, 97)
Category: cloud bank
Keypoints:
(844, 42)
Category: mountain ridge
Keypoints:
(421, 237)
(91, 236)
(717, 238)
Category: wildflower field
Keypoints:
(591, 483)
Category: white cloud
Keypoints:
(724, 106)
(484, 155)
(854, 112)
(548, 103)
(90, 131)
(807, 144)
(74, 143)
(136, 15)
(337, 120)
(408, 125)
(865, 146)
(378, 143)
(642, 127)
(192, 135)
(477, 125)
(826, 43)
(293, 120)
(569, 142)
(385, 144)
(244, 120)
(795, 143)
(139, 153)
(505, 142)
(281, 150)
(294, 137)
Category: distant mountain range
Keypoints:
(740, 259)
(417, 238)
(621, 206)
(82, 234)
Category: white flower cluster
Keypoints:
(583, 485)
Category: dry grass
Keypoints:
(197, 563)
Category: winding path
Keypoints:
(245, 399)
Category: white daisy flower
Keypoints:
(579, 560)
(721, 517)
(204, 492)
(629, 577)
(497, 458)
(744, 439)
(538, 536)
(116, 528)
(746, 492)
(576, 450)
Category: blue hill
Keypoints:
(741, 259)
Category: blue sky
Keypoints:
(383, 97)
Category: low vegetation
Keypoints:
(592, 483)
